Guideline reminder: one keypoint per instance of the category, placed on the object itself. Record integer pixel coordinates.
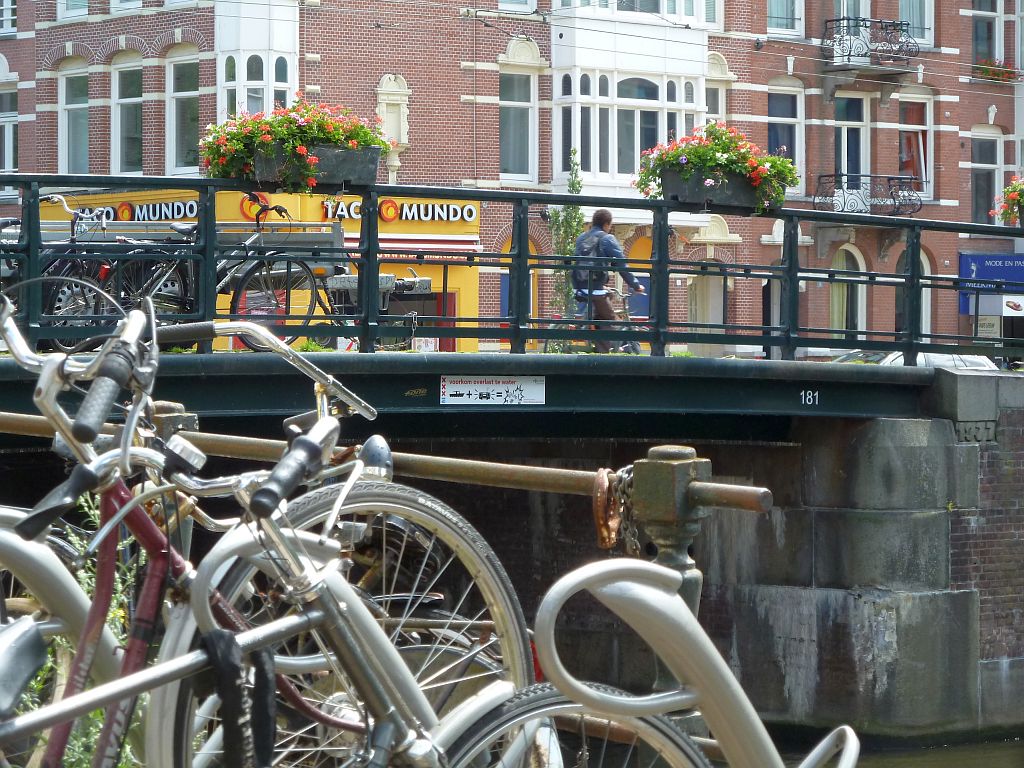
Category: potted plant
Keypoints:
(1009, 204)
(993, 69)
(717, 169)
(296, 148)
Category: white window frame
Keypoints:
(8, 17)
(987, 133)
(927, 191)
(63, 12)
(9, 138)
(517, 6)
(532, 122)
(226, 87)
(798, 21)
(864, 125)
(929, 24)
(998, 32)
(115, 115)
(124, 6)
(63, 110)
(798, 122)
(171, 101)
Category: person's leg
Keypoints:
(603, 310)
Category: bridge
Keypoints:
(884, 587)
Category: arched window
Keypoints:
(670, 91)
(637, 88)
(255, 86)
(602, 85)
(688, 97)
(281, 82)
(584, 85)
(567, 85)
(230, 89)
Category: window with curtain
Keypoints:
(517, 136)
(918, 14)
(984, 175)
(73, 125)
(183, 116)
(783, 15)
(126, 122)
(914, 143)
(844, 298)
(67, 8)
(987, 30)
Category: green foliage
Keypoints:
(711, 151)
(309, 345)
(228, 150)
(566, 224)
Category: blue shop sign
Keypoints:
(1008, 267)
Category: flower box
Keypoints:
(729, 193)
(338, 168)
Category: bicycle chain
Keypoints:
(622, 490)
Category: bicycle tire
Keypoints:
(64, 300)
(161, 279)
(540, 727)
(419, 538)
(275, 288)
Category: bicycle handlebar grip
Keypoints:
(57, 502)
(114, 373)
(186, 332)
(302, 459)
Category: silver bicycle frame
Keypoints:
(646, 597)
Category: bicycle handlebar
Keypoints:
(306, 456)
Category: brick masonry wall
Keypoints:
(987, 543)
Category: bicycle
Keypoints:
(583, 320)
(69, 282)
(447, 634)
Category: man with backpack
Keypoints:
(598, 253)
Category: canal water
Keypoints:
(994, 755)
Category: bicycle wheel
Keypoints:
(539, 727)
(439, 591)
(276, 293)
(163, 280)
(70, 303)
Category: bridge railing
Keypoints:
(695, 298)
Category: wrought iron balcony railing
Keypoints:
(858, 40)
(865, 193)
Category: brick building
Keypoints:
(865, 97)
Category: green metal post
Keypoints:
(790, 286)
(33, 264)
(369, 272)
(519, 277)
(659, 282)
(208, 246)
(913, 294)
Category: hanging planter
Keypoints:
(729, 193)
(716, 169)
(301, 148)
(337, 168)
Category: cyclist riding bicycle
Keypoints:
(597, 254)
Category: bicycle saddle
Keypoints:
(185, 230)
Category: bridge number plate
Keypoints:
(492, 390)
(808, 397)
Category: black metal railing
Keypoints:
(868, 193)
(798, 289)
(854, 40)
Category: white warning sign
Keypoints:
(492, 390)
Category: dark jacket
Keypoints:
(597, 253)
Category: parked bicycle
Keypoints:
(583, 320)
(432, 591)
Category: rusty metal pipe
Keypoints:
(750, 498)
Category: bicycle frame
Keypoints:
(646, 597)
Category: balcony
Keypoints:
(865, 193)
(854, 45)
